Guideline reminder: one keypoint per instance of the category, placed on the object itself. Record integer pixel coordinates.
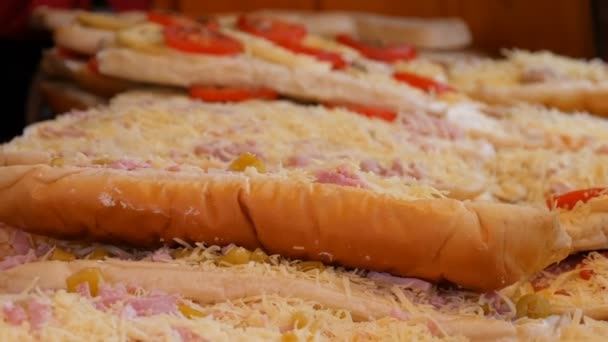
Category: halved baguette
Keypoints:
(535, 77)
(202, 288)
(441, 33)
(78, 72)
(568, 96)
(52, 19)
(179, 69)
(477, 245)
(209, 286)
(383, 156)
(83, 39)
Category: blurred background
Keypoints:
(577, 28)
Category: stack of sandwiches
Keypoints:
(250, 178)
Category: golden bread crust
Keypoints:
(477, 245)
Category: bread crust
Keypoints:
(566, 96)
(441, 33)
(212, 286)
(481, 246)
(86, 40)
(23, 157)
(63, 97)
(183, 70)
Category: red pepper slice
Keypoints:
(271, 29)
(231, 94)
(423, 83)
(370, 112)
(570, 199)
(201, 39)
(388, 53)
(333, 58)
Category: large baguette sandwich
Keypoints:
(536, 77)
(286, 58)
(53, 289)
(160, 55)
(440, 33)
(221, 191)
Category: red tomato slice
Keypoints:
(388, 53)
(370, 112)
(93, 65)
(586, 274)
(164, 19)
(570, 199)
(167, 19)
(233, 94)
(335, 59)
(201, 39)
(423, 83)
(271, 29)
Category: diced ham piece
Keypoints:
(399, 314)
(173, 168)
(128, 164)
(566, 265)
(187, 335)
(298, 161)
(153, 305)
(370, 165)
(16, 260)
(411, 283)
(14, 314)
(543, 279)
(42, 249)
(39, 313)
(109, 295)
(340, 176)
(429, 125)
(415, 171)
(396, 170)
(497, 303)
(21, 242)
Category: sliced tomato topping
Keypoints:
(93, 65)
(387, 53)
(370, 112)
(201, 39)
(69, 54)
(167, 19)
(335, 59)
(232, 94)
(586, 274)
(570, 199)
(271, 29)
(421, 82)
